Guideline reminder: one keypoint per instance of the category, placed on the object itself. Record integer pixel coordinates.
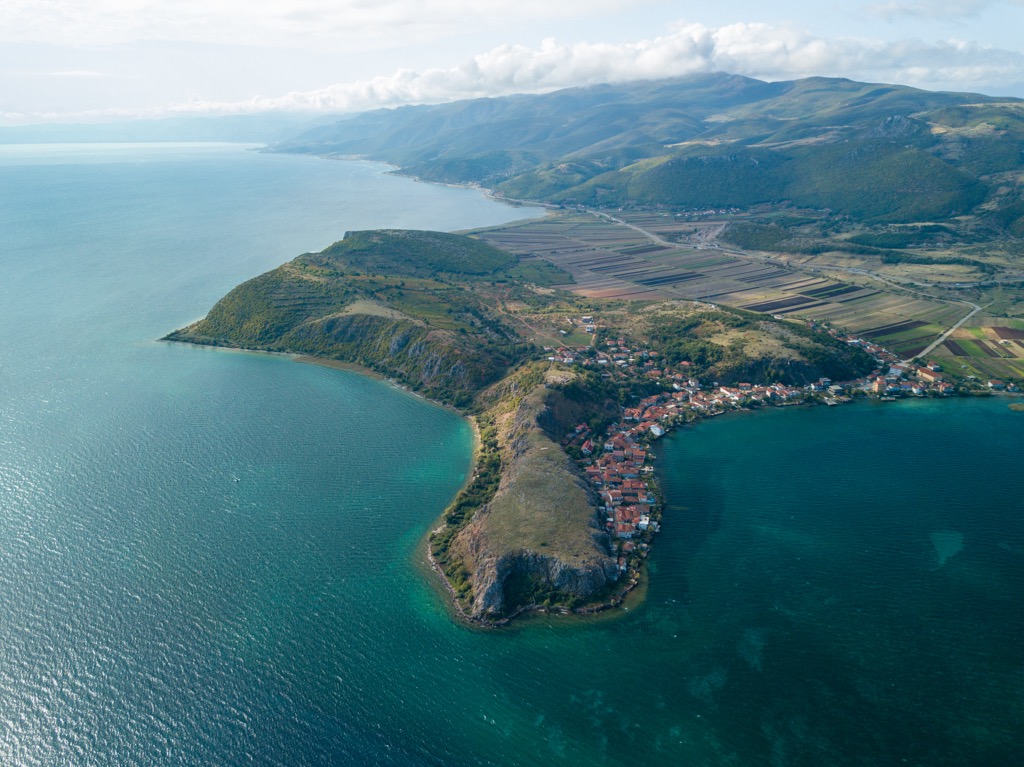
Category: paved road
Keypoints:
(849, 270)
(929, 349)
(649, 235)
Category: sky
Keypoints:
(94, 60)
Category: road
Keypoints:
(930, 348)
(849, 270)
(649, 235)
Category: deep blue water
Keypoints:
(212, 558)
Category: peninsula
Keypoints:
(715, 242)
(565, 392)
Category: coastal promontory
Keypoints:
(556, 515)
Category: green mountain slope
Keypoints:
(875, 153)
(392, 300)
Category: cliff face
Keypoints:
(493, 575)
(433, 362)
(539, 537)
(438, 364)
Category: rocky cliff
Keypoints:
(538, 540)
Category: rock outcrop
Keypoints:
(539, 538)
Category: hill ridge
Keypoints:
(872, 152)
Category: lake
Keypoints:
(213, 557)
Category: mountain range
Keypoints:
(868, 152)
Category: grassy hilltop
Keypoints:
(394, 301)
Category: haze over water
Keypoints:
(210, 557)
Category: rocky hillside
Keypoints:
(538, 540)
(730, 346)
(394, 301)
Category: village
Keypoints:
(618, 462)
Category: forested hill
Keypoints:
(879, 153)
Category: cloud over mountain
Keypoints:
(111, 59)
(757, 50)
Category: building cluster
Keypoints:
(619, 470)
(618, 358)
(617, 463)
(899, 381)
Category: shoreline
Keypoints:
(352, 367)
(614, 604)
(635, 594)
(628, 591)
(355, 367)
(424, 543)
(449, 596)
(308, 359)
(398, 170)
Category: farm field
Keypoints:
(992, 348)
(611, 261)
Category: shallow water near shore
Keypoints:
(213, 557)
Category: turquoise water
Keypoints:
(849, 581)
(210, 558)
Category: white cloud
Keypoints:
(934, 9)
(756, 50)
(771, 52)
(273, 23)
